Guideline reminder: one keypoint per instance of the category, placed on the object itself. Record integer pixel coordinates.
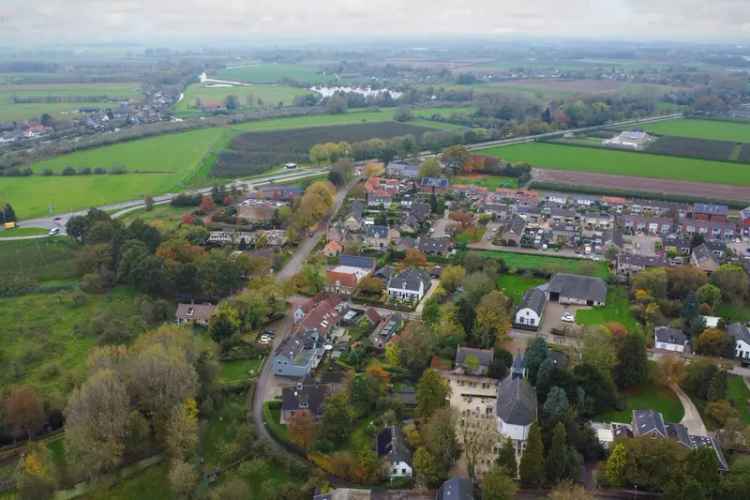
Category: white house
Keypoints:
(630, 139)
(391, 446)
(409, 285)
(669, 339)
(741, 341)
(529, 314)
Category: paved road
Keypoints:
(692, 419)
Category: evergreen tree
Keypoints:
(507, 458)
(556, 406)
(531, 468)
(557, 458)
(632, 362)
(694, 323)
(535, 355)
(717, 388)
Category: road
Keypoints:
(120, 209)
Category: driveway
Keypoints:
(553, 311)
(692, 419)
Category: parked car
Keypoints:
(568, 318)
(265, 339)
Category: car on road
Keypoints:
(568, 317)
(54, 231)
(57, 219)
(269, 333)
(265, 339)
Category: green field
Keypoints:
(550, 264)
(649, 397)
(46, 350)
(604, 161)
(272, 73)
(491, 182)
(515, 285)
(239, 370)
(381, 115)
(165, 217)
(270, 95)
(739, 395)
(21, 232)
(702, 129)
(617, 309)
(44, 259)
(10, 111)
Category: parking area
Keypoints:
(553, 313)
(644, 244)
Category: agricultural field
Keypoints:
(625, 163)
(273, 73)
(250, 96)
(253, 151)
(549, 264)
(65, 94)
(165, 218)
(701, 129)
(46, 259)
(704, 149)
(490, 182)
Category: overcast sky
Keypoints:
(28, 21)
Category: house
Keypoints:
(575, 289)
(630, 139)
(456, 488)
(516, 410)
(434, 184)
(194, 314)
(358, 261)
(474, 361)
(745, 217)
(514, 230)
(279, 193)
(710, 212)
(704, 259)
(518, 368)
(333, 249)
(741, 336)
(402, 170)
(377, 236)
(629, 263)
(341, 281)
(385, 330)
(391, 446)
(306, 397)
(354, 222)
(669, 339)
(435, 246)
(378, 198)
(529, 314)
(409, 285)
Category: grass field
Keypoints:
(165, 218)
(617, 309)
(491, 182)
(739, 395)
(41, 259)
(45, 350)
(649, 397)
(702, 129)
(273, 73)
(551, 264)
(270, 95)
(604, 161)
(10, 111)
(22, 231)
(732, 312)
(515, 285)
(238, 370)
(364, 116)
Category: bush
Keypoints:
(93, 283)
(69, 171)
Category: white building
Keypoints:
(391, 446)
(632, 139)
(529, 314)
(409, 285)
(516, 410)
(741, 341)
(669, 339)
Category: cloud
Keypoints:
(143, 20)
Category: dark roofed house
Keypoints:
(529, 314)
(435, 246)
(456, 488)
(576, 289)
(409, 285)
(516, 411)
(367, 263)
(483, 357)
(704, 259)
(303, 398)
(648, 423)
(518, 368)
(669, 339)
(196, 314)
(430, 184)
(741, 336)
(391, 446)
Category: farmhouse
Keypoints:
(669, 339)
(409, 285)
(194, 314)
(634, 139)
(391, 446)
(575, 289)
(530, 312)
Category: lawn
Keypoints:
(732, 312)
(605, 161)
(490, 182)
(165, 218)
(150, 484)
(41, 259)
(550, 264)
(269, 95)
(648, 397)
(739, 395)
(272, 417)
(617, 309)
(221, 429)
(273, 73)
(47, 350)
(702, 129)
(238, 370)
(515, 285)
(22, 231)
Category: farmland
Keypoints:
(549, 264)
(490, 182)
(625, 163)
(70, 97)
(40, 259)
(702, 129)
(255, 151)
(250, 96)
(273, 73)
(705, 149)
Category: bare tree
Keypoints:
(479, 436)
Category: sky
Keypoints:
(60, 21)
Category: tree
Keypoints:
(373, 169)
(430, 168)
(96, 419)
(478, 438)
(415, 347)
(632, 361)
(568, 490)
(232, 489)
(182, 431)
(35, 475)
(671, 369)
(599, 349)
(616, 464)
(337, 419)
(556, 405)
(426, 468)
(455, 157)
(370, 285)
(232, 102)
(336, 104)
(732, 280)
(720, 412)
(148, 202)
(557, 461)
(183, 478)
(24, 411)
(507, 458)
(714, 342)
(536, 353)
(493, 319)
(432, 393)
(302, 429)
(439, 436)
(531, 469)
(224, 323)
(709, 294)
(497, 484)
(684, 280)
(653, 280)
(414, 258)
(452, 277)
(403, 114)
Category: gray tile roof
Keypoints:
(519, 365)
(679, 433)
(579, 287)
(309, 397)
(357, 261)
(669, 335)
(516, 402)
(739, 332)
(410, 279)
(456, 488)
(485, 356)
(648, 423)
(375, 231)
(534, 299)
(390, 443)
